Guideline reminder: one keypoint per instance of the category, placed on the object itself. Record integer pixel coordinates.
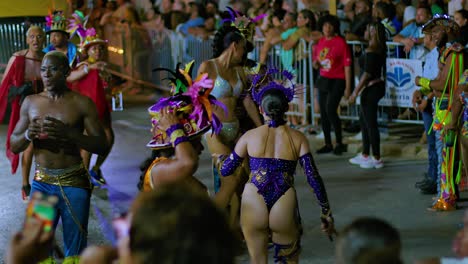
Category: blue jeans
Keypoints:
(74, 239)
(433, 158)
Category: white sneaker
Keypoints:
(359, 159)
(372, 163)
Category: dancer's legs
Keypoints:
(254, 222)
(284, 225)
(110, 141)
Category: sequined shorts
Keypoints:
(74, 176)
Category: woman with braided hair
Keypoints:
(269, 202)
(229, 54)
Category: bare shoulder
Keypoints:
(20, 53)
(298, 137)
(206, 67)
(81, 100)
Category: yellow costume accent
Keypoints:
(148, 180)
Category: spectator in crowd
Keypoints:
(283, 29)
(258, 7)
(385, 12)
(412, 35)
(368, 240)
(409, 13)
(120, 13)
(211, 8)
(96, 15)
(292, 55)
(166, 12)
(371, 88)
(196, 18)
(106, 22)
(454, 5)
(205, 31)
(423, 104)
(437, 7)
(333, 57)
(275, 10)
(362, 17)
(137, 49)
(461, 18)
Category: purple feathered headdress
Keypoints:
(264, 82)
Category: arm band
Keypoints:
(230, 164)
(425, 85)
(178, 136)
(315, 181)
(26, 135)
(174, 128)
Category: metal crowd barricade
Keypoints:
(385, 113)
(197, 49)
(301, 69)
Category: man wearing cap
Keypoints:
(56, 27)
(444, 86)
(22, 78)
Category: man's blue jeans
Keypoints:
(74, 238)
(433, 159)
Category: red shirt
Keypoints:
(334, 55)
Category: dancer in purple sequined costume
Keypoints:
(269, 202)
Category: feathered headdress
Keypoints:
(243, 23)
(77, 26)
(262, 83)
(191, 100)
(56, 21)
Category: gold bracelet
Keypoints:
(425, 85)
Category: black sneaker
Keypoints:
(340, 148)
(325, 149)
(429, 188)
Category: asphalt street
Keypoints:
(387, 193)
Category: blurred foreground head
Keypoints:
(176, 225)
(368, 241)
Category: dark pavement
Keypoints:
(387, 193)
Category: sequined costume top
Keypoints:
(273, 177)
(222, 88)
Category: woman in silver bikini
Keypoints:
(229, 53)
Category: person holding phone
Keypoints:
(54, 121)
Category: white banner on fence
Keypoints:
(400, 82)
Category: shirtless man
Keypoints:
(22, 78)
(54, 121)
